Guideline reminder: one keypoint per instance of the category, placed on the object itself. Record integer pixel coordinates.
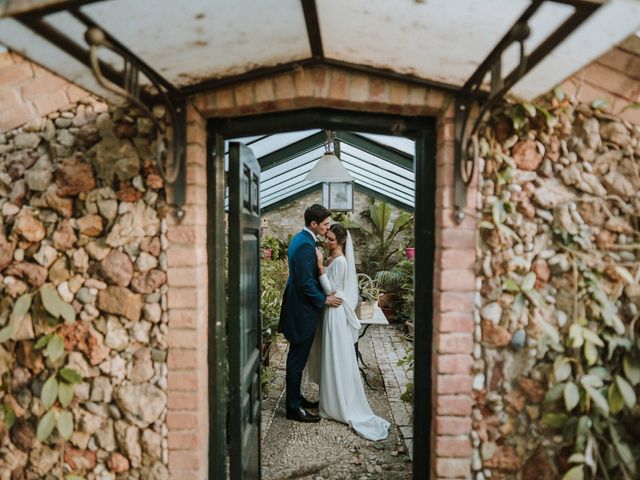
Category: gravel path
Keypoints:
(328, 449)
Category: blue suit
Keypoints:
(301, 306)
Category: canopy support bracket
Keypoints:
(171, 140)
(466, 135)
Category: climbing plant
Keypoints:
(46, 306)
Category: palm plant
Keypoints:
(384, 245)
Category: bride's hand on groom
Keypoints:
(320, 260)
(333, 301)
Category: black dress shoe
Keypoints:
(301, 415)
(307, 404)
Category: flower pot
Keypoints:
(364, 310)
(410, 252)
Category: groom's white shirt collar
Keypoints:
(311, 232)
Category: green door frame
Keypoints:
(423, 131)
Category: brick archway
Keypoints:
(454, 278)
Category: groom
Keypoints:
(301, 306)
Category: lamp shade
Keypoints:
(329, 169)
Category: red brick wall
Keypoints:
(615, 76)
(187, 390)
(28, 92)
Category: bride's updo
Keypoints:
(340, 232)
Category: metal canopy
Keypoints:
(171, 49)
(379, 169)
(201, 44)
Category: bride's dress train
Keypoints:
(333, 364)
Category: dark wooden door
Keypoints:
(244, 313)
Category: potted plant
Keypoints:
(397, 283)
(369, 293)
(270, 248)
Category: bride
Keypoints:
(332, 361)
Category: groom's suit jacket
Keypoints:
(303, 296)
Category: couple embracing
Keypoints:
(318, 320)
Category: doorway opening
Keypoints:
(263, 132)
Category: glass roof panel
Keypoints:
(403, 144)
(189, 42)
(608, 26)
(303, 159)
(366, 156)
(272, 143)
(22, 40)
(375, 175)
(442, 40)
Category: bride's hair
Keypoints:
(340, 231)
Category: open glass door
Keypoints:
(244, 313)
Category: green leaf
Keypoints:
(600, 103)
(554, 420)
(51, 300)
(582, 432)
(625, 274)
(591, 380)
(65, 424)
(598, 399)
(70, 375)
(508, 232)
(9, 415)
(20, 308)
(577, 458)
(510, 285)
(592, 337)
(554, 393)
(576, 473)
(498, 212)
(529, 108)
(43, 341)
(624, 452)
(627, 391)
(46, 424)
(631, 368)
(590, 353)
(486, 224)
(558, 93)
(7, 333)
(576, 339)
(67, 312)
(561, 368)
(73, 477)
(49, 392)
(571, 396)
(528, 282)
(633, 105)
(55, 348)
(65, 393)
(616, 402)
(550, 331)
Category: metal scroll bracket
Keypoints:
(171, 133)
(466, 140)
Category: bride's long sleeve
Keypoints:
(325, 284)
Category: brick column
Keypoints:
(187, 416)
(455, 285)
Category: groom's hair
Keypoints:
(315, 213)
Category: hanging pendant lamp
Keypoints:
(329, 168)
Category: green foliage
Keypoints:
(273, 279)
(400, 281)
(274, 244)
(408, 362)
(596, 366)
(383, 244)
(58, 387)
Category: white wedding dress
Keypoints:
(332, 362)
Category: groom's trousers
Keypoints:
(296, 361)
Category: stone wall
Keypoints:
(557, 258)
(82, 226)
(28, 92)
